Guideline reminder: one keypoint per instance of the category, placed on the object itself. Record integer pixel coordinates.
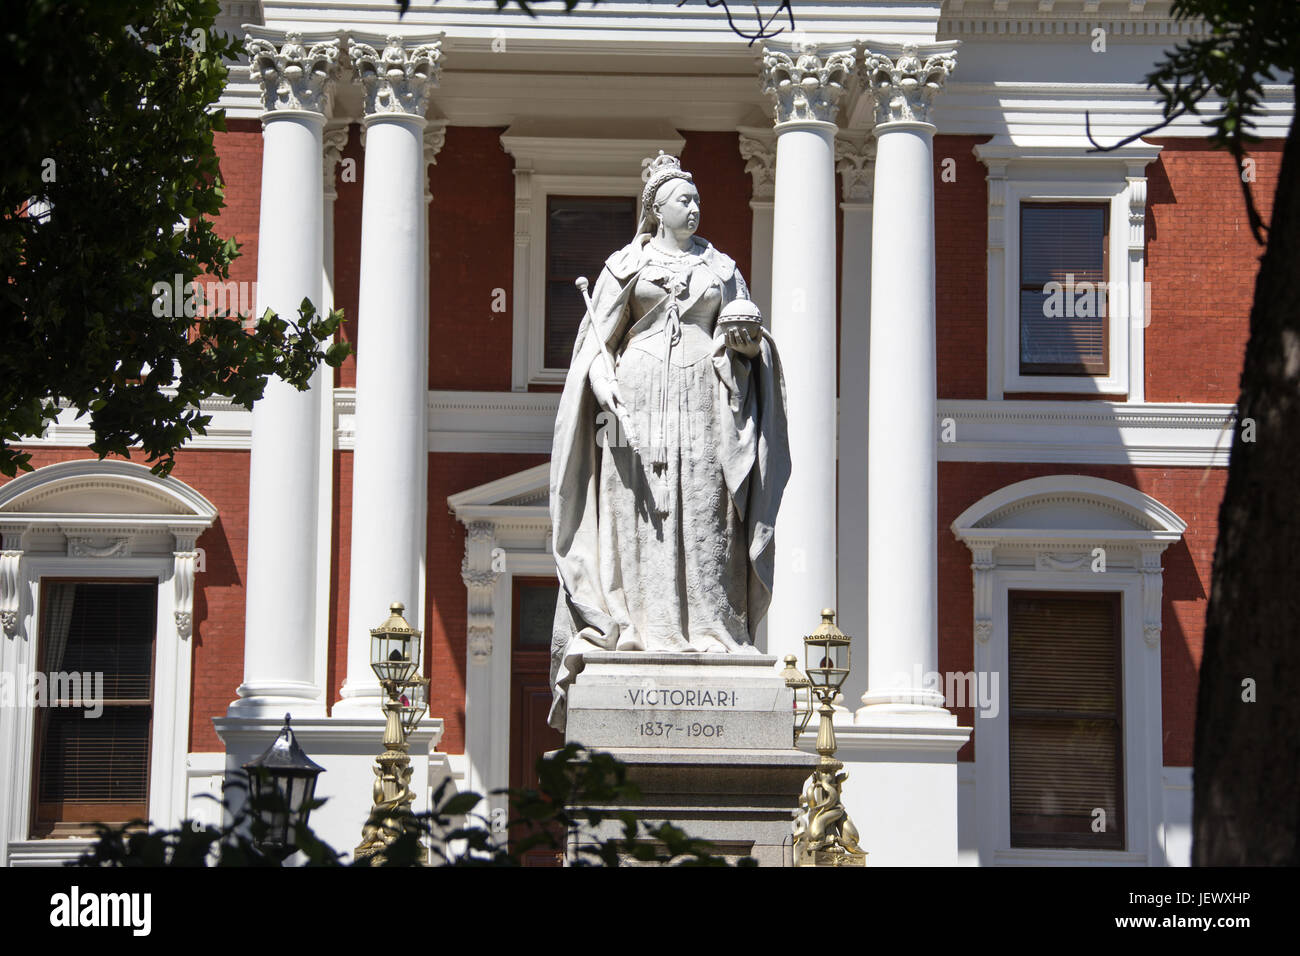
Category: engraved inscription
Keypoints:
(657, 728)
(660, 697)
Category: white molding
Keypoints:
(492, 421)
(1082, 432)
(1027, 110)
(1055, 18)
(205, 775)
(1087, 432)
(231, 428)
(23, 853)
(1066, 170)
(1040, 534)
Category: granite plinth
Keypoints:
(675, 701)
(707, 740)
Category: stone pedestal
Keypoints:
(707, 738)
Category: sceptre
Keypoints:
(624, 420)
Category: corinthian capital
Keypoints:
(806, 82)
(904, 80)
(295, 75)
(400, 78)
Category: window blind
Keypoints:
(581, 233)
(92, 768)
(1066, 746)
(1063, 298)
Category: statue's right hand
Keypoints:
(607, 394)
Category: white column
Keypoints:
(805, 88)
(280, 671)
(902, 512)
(389, 466)
(854, 158)
(900, 754)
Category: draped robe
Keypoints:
(698, 578)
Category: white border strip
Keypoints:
(1065, 432)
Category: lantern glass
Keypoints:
(414, 698)
(827, 655)
(803, 696)
(395, 648)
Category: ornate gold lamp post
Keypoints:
(823, 833)
(395, 659)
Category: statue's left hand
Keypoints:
(742, 342)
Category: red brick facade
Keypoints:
(961, 266)
(1201, 262)
(240, 150)
(471, 256)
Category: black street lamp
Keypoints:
(281, 784)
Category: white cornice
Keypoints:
(1083, 432)
(668, 28)
(1087, 432)
(1001, 150)
(1036, 111)
(230, 428)
(1040, 17)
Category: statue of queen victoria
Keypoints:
(670, 453)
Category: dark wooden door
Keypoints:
(530, 690)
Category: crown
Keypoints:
(658, 171)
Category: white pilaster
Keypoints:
(435, 134)
(805, 88)
(488, 675)
(758, 147)
(280, 656)
(389, 484)
(854, 162)
(902, 508)
(335, 139)
(1137, 301)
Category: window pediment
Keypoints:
(1065, 504)
(90, 488)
